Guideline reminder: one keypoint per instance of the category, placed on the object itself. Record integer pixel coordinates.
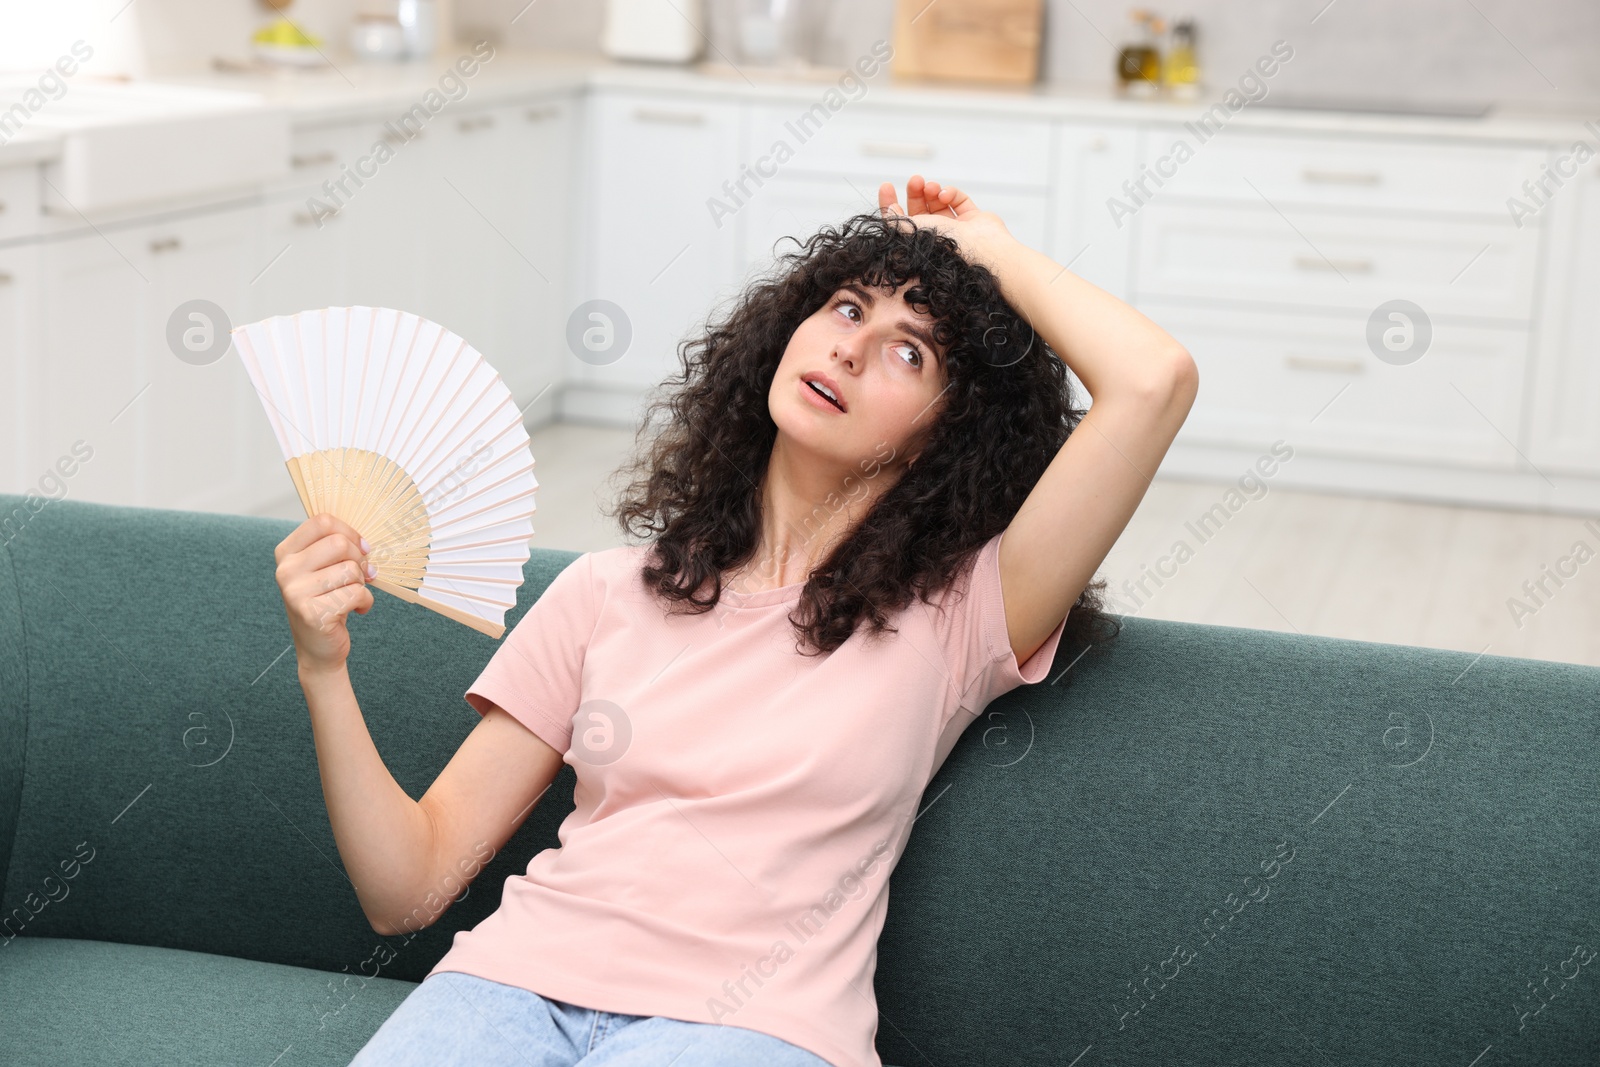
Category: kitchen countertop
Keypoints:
(351, 89)
(30, 144)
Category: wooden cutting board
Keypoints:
(968, 40)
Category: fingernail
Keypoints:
(364, 546)
(372, 572)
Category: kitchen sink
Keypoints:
(130, 143)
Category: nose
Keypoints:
(849, 349)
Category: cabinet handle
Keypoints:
(1341, 177)
(312, 159)
(682, 118)
(306, 218)
(1354, 266)
(6, 278)
(476, 122)
(390, 137)
(2, 205)
(898, 149)
(165, 244)
(539, 114)
(1343, 366)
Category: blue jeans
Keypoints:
(461, 1019)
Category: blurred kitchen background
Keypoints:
(1376, 226)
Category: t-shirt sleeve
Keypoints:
(537, 672)
(975, 642)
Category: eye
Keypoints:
(917, 359)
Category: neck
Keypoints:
(807, 509)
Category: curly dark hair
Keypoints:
(697, 484)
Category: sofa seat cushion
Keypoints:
(72, 1001)
(112, 1005)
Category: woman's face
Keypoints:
(886, 372)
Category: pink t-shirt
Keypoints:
(739, 807)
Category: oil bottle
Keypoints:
(1181, 70)
(1139, 62)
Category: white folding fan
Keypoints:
(400, 428)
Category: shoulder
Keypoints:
(978, 563)
(611, 572)
(961, 618)
(961, 611)
(602, 562)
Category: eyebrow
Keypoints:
(905, 324)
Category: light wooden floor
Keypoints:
(1363, 568)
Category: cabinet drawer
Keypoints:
(19, 202)
(1251, 252)
(1376, 173)
(317, 154)
(886, 144)
(1313, 381)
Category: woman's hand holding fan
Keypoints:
(322, 574)
(400, 430)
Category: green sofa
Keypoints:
(1197, 845)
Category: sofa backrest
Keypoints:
(1196, 843)
(168, 762)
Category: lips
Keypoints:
(810, 383)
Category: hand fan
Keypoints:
(400, 428)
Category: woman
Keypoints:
(873, 510)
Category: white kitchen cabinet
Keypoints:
(799, 206)
(1267, 255)
(1399, 174)
(541, 179)
(796, 207)
(305, 258)
(303, 261)
(164, 432)
(497, 237)
(388, 218)
(1248, 253)
(313, 243)
(19, 323)
(463, 240)
(355, 224)
(1312, 381)
(20, 215)
(319, 154)
(653, 247)
(465, 224)
(879, 143)
(1264, 255)
(20, 289)
(1091, 163)
(90, 376)
(198, 425)
(836, 161)
(1565, 424)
